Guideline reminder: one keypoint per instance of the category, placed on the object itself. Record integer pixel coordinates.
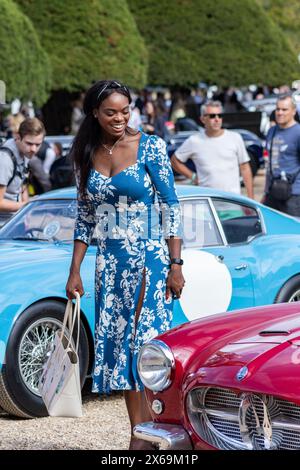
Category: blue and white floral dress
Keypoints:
(131, 214)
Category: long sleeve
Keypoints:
(85, 220)
(159, 168)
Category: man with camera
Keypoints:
(282, 188)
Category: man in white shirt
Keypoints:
(219, 155)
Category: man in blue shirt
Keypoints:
(283, 144)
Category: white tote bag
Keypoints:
(60, 380)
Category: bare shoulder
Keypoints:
(133, 135)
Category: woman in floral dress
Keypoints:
(128, 202)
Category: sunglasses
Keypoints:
(214, 115)
(113, 84)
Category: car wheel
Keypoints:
(253, 163)
(290, 292)
(26, 351)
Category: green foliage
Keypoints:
(89, 40)
(228, 42)
(24, 65)
(287, 15)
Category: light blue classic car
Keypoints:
(237, 254)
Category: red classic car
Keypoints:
(225, 382)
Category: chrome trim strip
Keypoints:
(278, 423)
(216, 220)
(167, 436)
(233, 417)
(257, 209)
(229, 415)
(262, 221)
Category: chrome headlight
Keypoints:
(155, 365)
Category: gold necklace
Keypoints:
(110, 149)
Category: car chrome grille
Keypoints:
(227, 419)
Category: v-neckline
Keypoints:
(127, 167)
(117, 174)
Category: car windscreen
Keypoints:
(42, 220)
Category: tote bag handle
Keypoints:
(70, 319)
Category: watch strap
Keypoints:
(177, 261)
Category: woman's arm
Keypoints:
(175, 281)
(160, 170)
(74, 282)
(83, 232)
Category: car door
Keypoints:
(240, 224)
(217, 273)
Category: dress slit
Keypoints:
(141, 299)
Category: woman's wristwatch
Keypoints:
(177, 261)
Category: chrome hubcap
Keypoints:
(34, 348)
(295, 297)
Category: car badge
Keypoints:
(242, 373)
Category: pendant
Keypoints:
(110, 152)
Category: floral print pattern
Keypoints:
(133, 250)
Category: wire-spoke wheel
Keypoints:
(295, 297)
(35, 345)
(28, 345)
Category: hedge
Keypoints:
(228, 42)
(88, 40)
(24, 65)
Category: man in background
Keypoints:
(283, 144)
(219, 155)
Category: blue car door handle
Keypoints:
(241, 267)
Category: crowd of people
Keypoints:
(219, 155)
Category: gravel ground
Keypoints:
(104, 426)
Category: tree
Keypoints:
(24, 65)
(227, 42)
(287, 16)
(88, 40)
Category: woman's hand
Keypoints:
(175, 281)
(74, 283)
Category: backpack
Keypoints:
(14, 160)
(16, 172)
(62, 173)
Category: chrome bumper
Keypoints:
(167, 436)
